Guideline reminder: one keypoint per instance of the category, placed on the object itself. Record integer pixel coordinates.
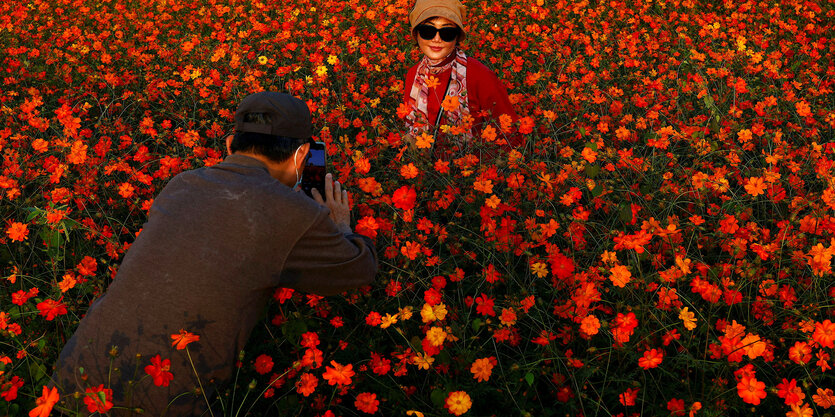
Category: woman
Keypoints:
(461, 89)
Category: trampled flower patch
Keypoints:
(660, 245)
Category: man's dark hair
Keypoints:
(276, 148)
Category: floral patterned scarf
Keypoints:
(418, 119)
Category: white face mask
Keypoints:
(298, 176)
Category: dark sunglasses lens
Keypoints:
(448, 34)
(427, 32)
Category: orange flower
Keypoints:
(436, 336)
(409, 171)
(17, 231)
(801, 410)
(590, 325)
(688, 317)
(338, 374)
(800, 353)
(755, 186)
(508, 316)
(183, 338)
(458, 402)
(824, 333)
(44, 403)
(126, 190)
(424, 141)
(824, 398)
(78, 153)
(651, 359)
(450, 103)
(750, 390)
(620, 276)
(483, 368)
(488, 133)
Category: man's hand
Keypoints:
(336, 199)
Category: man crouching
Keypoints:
(217, 243)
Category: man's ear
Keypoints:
(229, 144)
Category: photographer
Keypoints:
(217, 243)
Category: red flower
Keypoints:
(51, 308)
(651, 359)
(484, 305)
(263, 364)
(99, 399)
(789, 391)
(44, 403)
(87, 266)
(182, 339)
(307, 384)
(367, 402)
(404, 198)
(338, 374)
(9, 389)
(158, 370)
(367, 226)
(628, 397)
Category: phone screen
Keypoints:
(315, 170)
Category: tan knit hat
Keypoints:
(427, 9)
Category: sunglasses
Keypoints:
(448, 34)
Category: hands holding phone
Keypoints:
(336, 199)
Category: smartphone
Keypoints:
(315, 169)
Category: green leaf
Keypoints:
(292, 330)
(625, 214)
(597, 190)
(592, 171)
(438, 397)
(476, 324)
(529, 378)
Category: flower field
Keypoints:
(661, 244)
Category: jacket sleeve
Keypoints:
(326, 262)
(492, 96)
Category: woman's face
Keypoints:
(436, 48)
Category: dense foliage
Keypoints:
(661, 245)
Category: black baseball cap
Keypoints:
(289, 116)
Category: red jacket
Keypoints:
(487, 97)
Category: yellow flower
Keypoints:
(436, 336)
(332, 59)
(405, 313)
(423, 361)
(414, 413)
(688, 317)
(321, 70)
(262, 60)
(431, 313)
(388, 320)
(458, 402)
(539, 269)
